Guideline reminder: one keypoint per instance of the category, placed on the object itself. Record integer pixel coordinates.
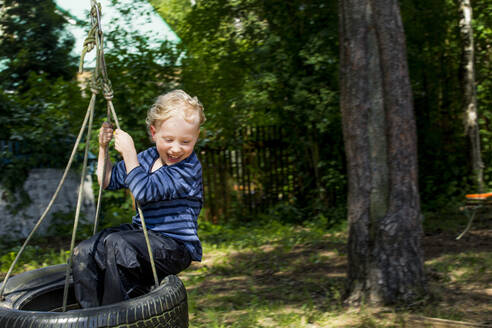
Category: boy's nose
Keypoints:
(174, 149)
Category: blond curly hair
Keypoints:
(176, 102)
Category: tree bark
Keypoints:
(384, 251)
(470, 95)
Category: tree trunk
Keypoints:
(385, 258)
(470, 96)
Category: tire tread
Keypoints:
(165, 307)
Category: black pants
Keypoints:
(111, 265)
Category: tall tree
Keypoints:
(33, 40)
(384, 251)
(470, 95)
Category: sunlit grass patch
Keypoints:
(266, 275)
(258, 315)
(256, 234)
(273, 274)
(279, 275)
(462, 267)
(458, 284)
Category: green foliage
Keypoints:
(434, 63)
(250, 62)
(40, 123)
(33, 40)
(117, 208)
(447, 218)
(268, 229)
(40, 99)
(256, 62)
(261, 63)
(173, 12)
(482, 23)
(62, 224)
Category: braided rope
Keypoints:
(99, 81)
(79, 200)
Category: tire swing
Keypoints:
(44, 298)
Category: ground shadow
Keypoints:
(299, 277)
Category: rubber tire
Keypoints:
(165, 306)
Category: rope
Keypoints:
(99, 82)
(147, 242)
(99, 195)
(108, 95)
(89, 43)
(110, 104)
(110, 111)
(53, 198)
(79, 200)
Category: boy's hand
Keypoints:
(123, 143)
(105, 134)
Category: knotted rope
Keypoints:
(99, 82)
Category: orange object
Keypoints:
(479, 196)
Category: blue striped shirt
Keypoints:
(170, 198)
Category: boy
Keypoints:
(166, 180)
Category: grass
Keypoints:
(273, 274)
(278, 275)
(267, 275)
(33, 257)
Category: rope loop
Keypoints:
(90, 40)
(89, 44)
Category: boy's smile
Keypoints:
(175, 139)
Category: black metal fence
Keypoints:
(247, 178)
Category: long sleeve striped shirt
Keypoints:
(170, 197)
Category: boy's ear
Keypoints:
(152, 132)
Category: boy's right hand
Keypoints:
(105, 134)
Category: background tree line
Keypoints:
(261, 63)
(251, 63)
(255, 62)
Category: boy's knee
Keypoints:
(83, 249)
(81, 257)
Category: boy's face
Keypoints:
(175, 139)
